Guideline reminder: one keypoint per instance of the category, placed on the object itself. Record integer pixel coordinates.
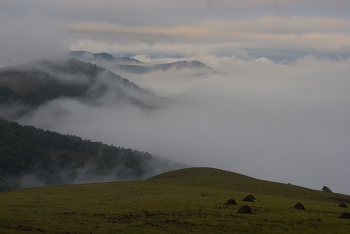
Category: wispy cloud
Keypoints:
(284, 119)
(258, 28)
(280, 122)
(294, 33)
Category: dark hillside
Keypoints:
(51, 158)
(34, 84)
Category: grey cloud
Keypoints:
(280, 122)
(28, 37)
(285, 122)
(46, 28)
(174, 12)
(272, 37)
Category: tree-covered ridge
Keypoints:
(34, 84)
(52, 158)
(50, 91)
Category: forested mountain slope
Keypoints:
(34, 84)
(34, 157)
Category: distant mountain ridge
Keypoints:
(36, 83)
(163, 67)
(135, 66)
(29, 154)
(102, 56)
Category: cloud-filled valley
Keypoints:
(274, 105)
(280, 122)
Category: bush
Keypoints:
(326, 189)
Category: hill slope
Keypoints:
(176, 202)
(216, 178)
(34, 157)
(34, 84)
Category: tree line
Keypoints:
(46, 154)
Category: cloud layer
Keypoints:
(289, 29)
(280, 122)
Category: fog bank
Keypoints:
(279, 122)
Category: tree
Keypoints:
(326, 189)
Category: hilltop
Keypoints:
(87, 56)
(216, 178)
(188, 200)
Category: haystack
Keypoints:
(251, 196)
(244, 210)
(343, 205)
(299, 206)
(248, 198)
(345, 215)
(231, 202)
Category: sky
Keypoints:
(276, 107)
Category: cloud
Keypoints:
(289, 29)
(307, 34)
(28, 37)
(279, 122)
(283, 120)
(144, 12)
(263, 25)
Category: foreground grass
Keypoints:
(183, 201)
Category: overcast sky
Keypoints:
(277, 108)
(269, 28)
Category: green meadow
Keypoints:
(183, 201)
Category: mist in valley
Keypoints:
(252, 116)
(274, 106)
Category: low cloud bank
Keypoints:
(279, 122)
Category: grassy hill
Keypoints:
(215, 178)
(183, 201)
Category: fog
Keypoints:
(26, 37)
(267, 109)
(279, 122)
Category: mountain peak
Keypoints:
(87, 56)
(45, 80)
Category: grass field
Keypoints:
(183, 201)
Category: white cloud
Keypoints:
(280, 122)
(242, 28)
(230, 37)
(271, 120)
(29, 37)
